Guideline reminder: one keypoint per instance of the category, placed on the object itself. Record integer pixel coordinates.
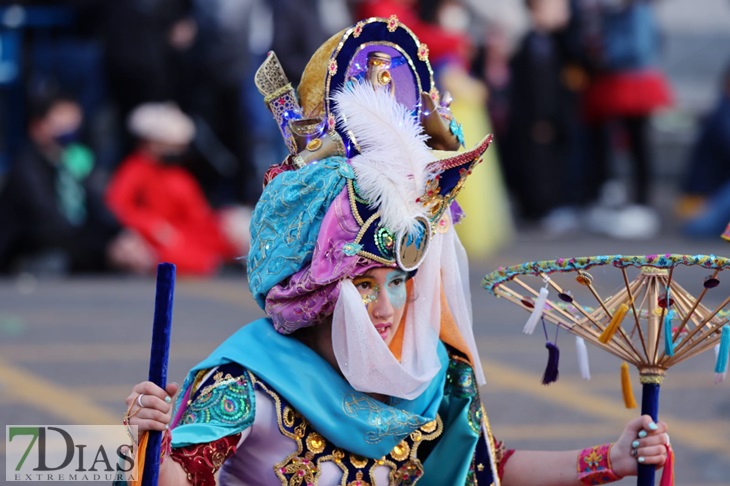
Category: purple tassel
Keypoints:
(551, 371)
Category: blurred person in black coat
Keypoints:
(542, 119)
(52, 213)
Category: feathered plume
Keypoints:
(391, 169)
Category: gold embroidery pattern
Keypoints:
(219, 380)
(401, 451)
(358, 461)
(358, 480)
(302, 467)
(315, 443)
(430, 426)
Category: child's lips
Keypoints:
(383, 329)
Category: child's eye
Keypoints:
(364, 285)
(397, 282)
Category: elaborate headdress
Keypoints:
(364, 185)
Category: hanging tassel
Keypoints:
(582, 351)
(723, 351)
(668, 472)
(537, 311)
(629, 400)
(719, 377)
(141, 450)
(618, 317)
(668, 344)
(551, 370)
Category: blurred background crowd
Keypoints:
(131, 132)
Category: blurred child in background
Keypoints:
(152, 193)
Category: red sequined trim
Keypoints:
(202, 461)
(462, 158)
(594, 465)
(502, 461)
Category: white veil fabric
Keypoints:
(363, 357)
(455, 277)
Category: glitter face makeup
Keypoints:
(385, 308)
(371, 296)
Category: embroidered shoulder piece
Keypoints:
(225, 399)
(312, 449)
(202, 461)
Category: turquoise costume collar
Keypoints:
(349, 419)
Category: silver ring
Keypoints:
(139, 400)
(634, 452)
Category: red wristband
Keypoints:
(594, 465)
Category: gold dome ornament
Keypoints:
(378, 71)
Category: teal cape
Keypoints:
(349, 419)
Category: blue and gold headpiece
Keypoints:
(405, 179)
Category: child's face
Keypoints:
(63, 118)
(550, 15)
(384, 294)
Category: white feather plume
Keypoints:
(391, 169)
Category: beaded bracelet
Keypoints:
(594, 465)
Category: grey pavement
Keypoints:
(70, 350)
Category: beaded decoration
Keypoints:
(227, 400)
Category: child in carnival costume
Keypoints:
(365, 370)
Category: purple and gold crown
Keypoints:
(329, 115)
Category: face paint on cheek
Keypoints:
(367, 299)
(397, 294)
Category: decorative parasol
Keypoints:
(650, 322)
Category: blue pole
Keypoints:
(649, 406)
(159, 354)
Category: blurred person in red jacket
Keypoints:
(152, 193)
